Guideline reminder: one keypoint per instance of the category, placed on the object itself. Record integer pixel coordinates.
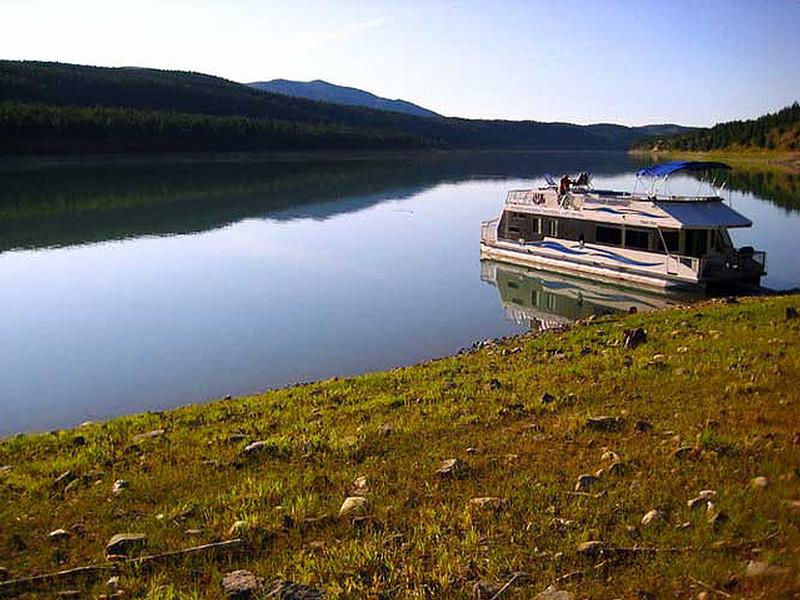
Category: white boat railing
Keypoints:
(489, 231)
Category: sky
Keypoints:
(630, 62)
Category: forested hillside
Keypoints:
(773, 131)
(63, 108)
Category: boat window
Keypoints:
(672, 239)
(637, 239)
(722, 240)
(553, 228)
(608, 235)
(696, 242)
(538, 225)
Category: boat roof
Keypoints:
(615, 208)
(668, 168)
(703, 214)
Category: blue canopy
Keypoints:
(679, 165)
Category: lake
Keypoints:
(134, 285)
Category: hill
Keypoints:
(565, 459)
(337, 94)
(779, 131)
(64, 108)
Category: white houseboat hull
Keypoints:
(591, 267)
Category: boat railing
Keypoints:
(489, 231)
(694, 263)
(525, 197)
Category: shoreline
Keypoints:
(703, 400)
(758, 160)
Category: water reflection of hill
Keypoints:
(65, 205)
(779, 187)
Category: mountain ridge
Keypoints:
(324, 91)
(62, 108)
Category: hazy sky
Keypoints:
(634, 62)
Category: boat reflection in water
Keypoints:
(545, 300)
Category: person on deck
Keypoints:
(563, 185)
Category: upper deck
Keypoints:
(623, 208)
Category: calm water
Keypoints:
(126, 288)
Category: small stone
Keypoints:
(759, 483)
(605, 423)
(123, 544)
(241, 585)
(717, 519)
(599, 473)
(288, 590)
(547, 398)
(487, 503)
(696, 503)
(59, 535)
(485, 590)
(610, 456)
(237, 528)
(643, 426)
(764, 569)
(120, 485)
(585, 482)
(360, 486)
(707, 494)
(454, 468)
(562, 524)
(254, 448)
(632, 338)
(354, 505)
(654, 517)
(683, 452)
(139, 437)
(617, 469)
(62, 480)
(593, 548)
(494, 384)
(553, 593)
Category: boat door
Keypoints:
(672, 264)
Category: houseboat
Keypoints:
(645, 238)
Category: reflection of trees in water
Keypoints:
(60, 206)
(779, 187)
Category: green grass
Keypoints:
(725, 383)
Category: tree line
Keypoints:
(48, 129)
(773, 131)
(237, 117)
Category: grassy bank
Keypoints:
(752, 159)
(718, 380)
